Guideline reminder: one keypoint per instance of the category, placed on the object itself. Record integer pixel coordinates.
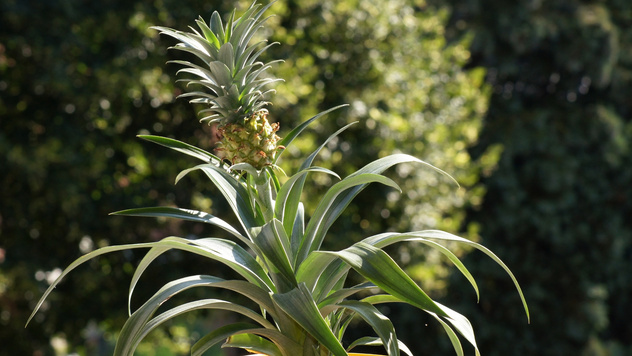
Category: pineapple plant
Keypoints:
(233, 80)
(303, 302)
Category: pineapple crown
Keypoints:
(231, 73)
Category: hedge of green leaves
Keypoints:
(559, 205)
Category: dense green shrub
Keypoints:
(559, 204)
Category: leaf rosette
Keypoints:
(305, 304)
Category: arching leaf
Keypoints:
(288, 198)
(299, 304)
(375, 341)
(331, 206)
(218, 335)
(232, 190)
(129, 334)
(378, 267)
(382, 326)
(185, 214)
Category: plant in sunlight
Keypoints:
(304, 303)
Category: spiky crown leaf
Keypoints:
(232, 74)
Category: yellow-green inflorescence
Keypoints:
(251, 140)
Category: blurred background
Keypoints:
(526, 103)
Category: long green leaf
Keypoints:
(285, 142)
(298, 230)
(384, 163)
(184, 148)
(218, 335)
(128, 336)
(328, 280)
(382, 326)
(376, 167)
(129, 348)
(343, 199)
(336, 269)
(299, 305)
(328, 304)
(286, 345)
(224, 251)
(76, 263)
(221, 250)
(378, 267)
(445, 236)
(330, 207)
(293, 204)
(376, 341)
(386, 239)
(288, 199)
(149, 257)
(462, 325)
(238, 259)
(460, 322)
(142, 315)
(253, 343)
(232, 190)
(310, 158)
(185, 214)
(275, 246)
(311, 269)
(454, 339)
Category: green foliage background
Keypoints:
(558, 205)
(527, 105)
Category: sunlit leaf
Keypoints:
(253, 343)
(379, 268)
(299, 304)
(275, 246)
(218, 335)
(185, 214)
(375, 341)
(233, 191)
(183, 147)
(332, 205)
(380, 323)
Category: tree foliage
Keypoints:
(77, 87)
(558, 205)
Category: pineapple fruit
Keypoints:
(233, 81)
(252, 140)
